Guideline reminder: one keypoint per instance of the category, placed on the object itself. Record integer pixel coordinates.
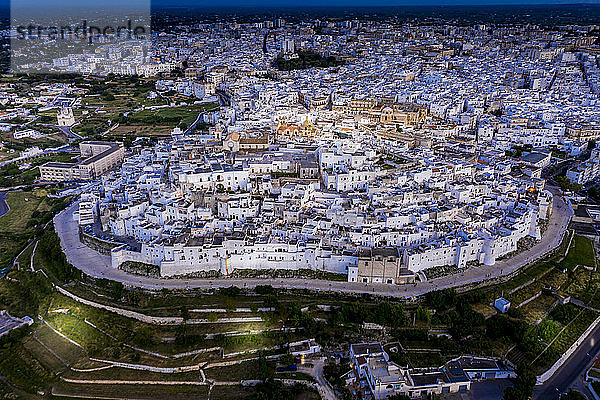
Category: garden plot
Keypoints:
(536, 309)
(129, 391)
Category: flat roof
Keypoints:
(56, 164)
(427, 378)
(99, 156)
(534, 157)
(466, 362)
(366, 348)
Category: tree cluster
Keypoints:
(384, 313)
(524, 383)
(306, 59)
(54, 259)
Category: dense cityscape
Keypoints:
(330, 203)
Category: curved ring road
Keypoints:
(98, 265)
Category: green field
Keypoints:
(173, 116)
(581, 252)
(22, 369)
(108, 102)
(29, 211)
(22, 206)
(234, 373)
(150, 392)
(11, 175)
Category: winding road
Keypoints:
(3, 204)
(98, 265)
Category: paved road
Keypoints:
(3, 204)
(68, 132)
(571, 374)
(325, 389)
(98, 265)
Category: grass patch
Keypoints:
(22, 206)
(525, 293)
(421, 359)
(62, 348)
(9, 247)
(126, 374)
(22, 369)
(29, 211)
(594, 373)
(581, 252)
(24, 259)
(534, 310)
(50, 361)
(171, 116)
(237, 392)
(77, 330)
(129, 391)
(564, 339)
(234, 373)
(573, 331)
(484, 309)
(492, 292)
(582, 284)
(27, 293)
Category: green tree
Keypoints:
(524, 383)
(498, 326)
(287, 359)
(548, 329)
(265, 368)
(116, 290)
(212, 316)
(54, 259)
(185, 314)
(230, 304)
(264, 289)
(143, 337)
(441, 299)
(423, 314)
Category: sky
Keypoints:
(359, 3)
(114, 4)
(299, 3)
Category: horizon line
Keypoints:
(441, 3)
(395, 5)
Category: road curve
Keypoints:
(3, 204)
(98, 265)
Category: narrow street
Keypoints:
(316, 372)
